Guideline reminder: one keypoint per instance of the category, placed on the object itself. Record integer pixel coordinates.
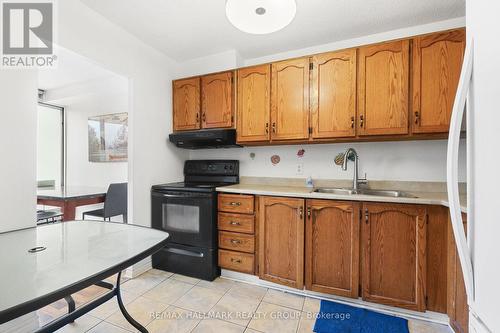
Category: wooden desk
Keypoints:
(68, 198)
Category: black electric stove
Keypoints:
(188, 212)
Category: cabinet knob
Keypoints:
(267, 128)
(234, 223)
(417, 117)
(235, 204)
(235, 241)
(197, 117)
(274, 127)
(352, 122)
(237, 261)
(361, 121)
(301, 212)
(204, 117)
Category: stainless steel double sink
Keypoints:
(380, 193)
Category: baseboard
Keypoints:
(137, 269)
(429, 316)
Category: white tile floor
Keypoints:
(166, 302)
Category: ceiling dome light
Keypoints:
(260, 16)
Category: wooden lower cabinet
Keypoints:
(236, 261)
(236, 224)
(394, 255)
(458, 310)
(332, 247)
(399, 255)
(281, 241)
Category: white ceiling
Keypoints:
(71, 69)
(77, 80)
(188, 29)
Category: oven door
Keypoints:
(189, 217)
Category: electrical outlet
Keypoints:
(300, 169)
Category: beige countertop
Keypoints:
(422, 193)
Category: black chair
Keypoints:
(115, 203)
(48, 216)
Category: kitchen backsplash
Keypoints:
(406, 160)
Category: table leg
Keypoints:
(71, 303)
(124, 311)
(69, 211)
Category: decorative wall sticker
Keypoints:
(300, 153)
(275, 159)
(252, 156)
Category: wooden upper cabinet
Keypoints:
(281, 241)
(437, 62)
(253, 96)
(217, 100)
(332, 247)
(383, 88)
(290, 100)
(186, 101)
(394, 254)
(333, 95)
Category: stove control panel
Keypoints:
(211, 168)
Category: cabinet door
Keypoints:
(458, 310)
(281, 241)
(254, 89)
(186, 100)
(393, 237)
(333, 94)
(437, 62)
(290, 100)
(383, 88)
(332, 247)
(217, 100)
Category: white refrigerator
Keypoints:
(479, 92)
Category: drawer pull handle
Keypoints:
(235, 203)
(237, 261)
(235, 241)
(234, 223)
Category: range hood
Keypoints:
(204, 139)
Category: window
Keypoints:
(50, 145)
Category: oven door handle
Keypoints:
(184, 252)
(178, 196)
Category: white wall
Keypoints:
(410, 161)
(107, 94)
(151, 160)
(407, 160)
(18, 96)
(483, 26)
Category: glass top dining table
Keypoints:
(43, 264)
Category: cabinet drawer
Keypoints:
(236, 261)
(236, 242)
(236, 223)
(234, 203)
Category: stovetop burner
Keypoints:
(204, 176)
(182, 186)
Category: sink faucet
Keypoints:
(351, 154)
